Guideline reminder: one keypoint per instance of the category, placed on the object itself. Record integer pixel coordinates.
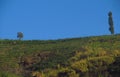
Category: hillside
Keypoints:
(97, 56)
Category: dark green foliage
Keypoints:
(115, 67)
(110, 20)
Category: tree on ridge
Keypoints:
(111, 24)
(19, 35)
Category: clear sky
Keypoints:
(57, 19)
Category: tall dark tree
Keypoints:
(19, 35)
(111, 24)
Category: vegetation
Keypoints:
(97, 56)
(111, 28)
(19, 35)
(6, 74)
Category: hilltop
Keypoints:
(74, 57)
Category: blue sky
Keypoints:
(57, 19)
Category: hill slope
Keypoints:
(84, 57)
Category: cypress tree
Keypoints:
(111, 25)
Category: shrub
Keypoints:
(80, 66)
(99, 63)
(5, 74)
(67, 72)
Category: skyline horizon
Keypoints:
(57, 19)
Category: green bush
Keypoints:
(5, 74)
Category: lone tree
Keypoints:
(19, 35)
(110, 21)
